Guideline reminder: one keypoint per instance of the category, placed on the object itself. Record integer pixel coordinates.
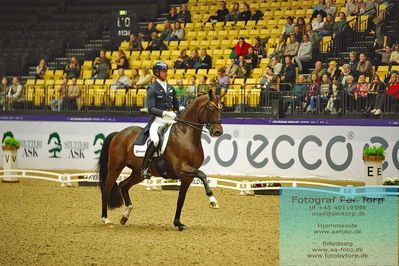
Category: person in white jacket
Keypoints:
(304, 52)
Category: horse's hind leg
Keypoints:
(110, 182)
(125, 185)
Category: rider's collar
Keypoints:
(164, 84)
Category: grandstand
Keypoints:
(57, 31)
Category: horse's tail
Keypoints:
(115, 198)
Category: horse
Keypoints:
(184, 155)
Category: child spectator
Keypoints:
(325, 91)
(350, 88)
(376, 87)
(312, 93)
(361, 92)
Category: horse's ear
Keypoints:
(210, 94)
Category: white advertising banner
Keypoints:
(297, 151)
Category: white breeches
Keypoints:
(158, 122)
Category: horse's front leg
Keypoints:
(185, 184)
(212, 200)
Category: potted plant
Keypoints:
(373, 157)
(171, 187)
(392, 182)
(274, 192)
(10, 148)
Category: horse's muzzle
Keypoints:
(217, 133)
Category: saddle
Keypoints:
(142, 141)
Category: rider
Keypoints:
(162, 102)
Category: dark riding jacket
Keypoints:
(158, 100)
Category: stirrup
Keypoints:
(146, 173)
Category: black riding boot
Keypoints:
(146, 167)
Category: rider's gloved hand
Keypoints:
(181, 108)
(169, 114)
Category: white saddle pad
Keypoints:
(139, 150)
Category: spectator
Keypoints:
(3, 92)
(194, 60)
(384, 101)
(166, 32)
(251, 58)
(147, 33)
(371, 8)
(379, 29)
(122, 81)
(241, 47)
(172, 14)
(276, 66)
(287, 74)
(203, 88)
(364, 67)
(353, 62)
(361, 6)
(267, 90)
(56, 104)
(14, 94)
(304, 52)
(300, 23)
(318, 24)
(259, 46)
(205, 60)
(333, 71)
(215, 87)
(72, 100)
(122, 61)
(376, 87)
(350, 88)
(361, 92)
(181, 92)
(334, 104)
(328, 27)
(193, 87)
(245, 15)
(352, 9)
(101, 66)
(319, 70)
(72, 69)
(341, 31)
(135, 76)
(135, 43)
(234, 14)
(298, 94)
(182, 61)
(394, 59)
(319, 9)
(330, 8)
(288, 27)
(184, 16)
(298, 35)
(41, 69)
(244, 69)
(156, 43)
(312, 93)
(325, 91)
(223, 79)
(177, 34)
(144, 80)
(313, 37)
(385, 55)
(279, 48)
(345, 73)
(221, 14)
(231, 70)
(292, 48)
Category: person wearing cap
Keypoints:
(162, 104)
(333, 71)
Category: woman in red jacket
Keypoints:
(242, 47)
(391, 96)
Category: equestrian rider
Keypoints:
(162, 102)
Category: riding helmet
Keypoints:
(159, 66)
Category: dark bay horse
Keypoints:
(183, 153)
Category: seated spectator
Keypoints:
(215, 87)
(203, 87)
(267, 90)
(231, 70)
(41, 69)
(156, 43)
(279, 48)
(297, 96)
(333, 71)
(385, 101)
(135, 77)
(205, 60)
(334, 104)
(287, 74)
(304, 52)
(371, 7)
(144, 80)
(220, 14)
(181, 92)
(275, 65)
(328, 27)
(298, 35)
(292, 48)
(251, 58)
(319, 70)
(15, 94)
(242, 47)
(172, 14)
(135, 43)
(361, 6)
(245, 15)
(223, 80)
(353, 62)
(385, 55)
(72, 69)
(288, 27)
(341, 31)
(166, 32)
(101, 66)
(349, 89)
(313, 37)
(345, 73)
(379, 29)
(234, 14)
(352, 9)
(259, 46)
(147, 33)
(194, 60)
(177, 34)
(122, 61)
(364, 67)
(56, 103)
(394, 59)
(3, 92)
(319, 9)
(192, 87)
(325, 91)
(376, 87)
(184, 16)
(300, 23)
(312, 93)
(72, 100)
(361, 92)
(182, 61)
(122, 81)
(244, 69)
(318, 24)
(330, 8)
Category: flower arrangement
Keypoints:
(274, 192)
(374, 151)
(11, 144)
(391, 181)
(257, 185)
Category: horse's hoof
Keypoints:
(123, 220)
(213, 205)
(183, 227)
(105, 220)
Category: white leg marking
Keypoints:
(127, 211)
(105, 220)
